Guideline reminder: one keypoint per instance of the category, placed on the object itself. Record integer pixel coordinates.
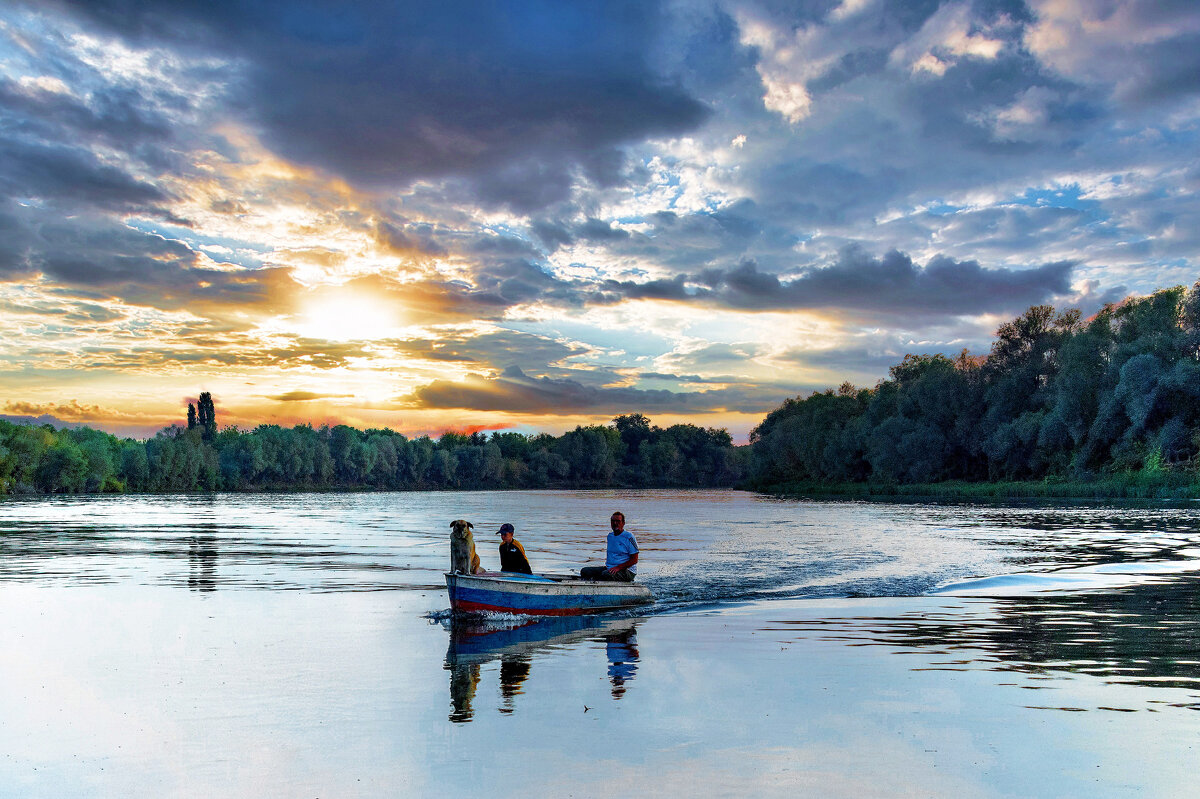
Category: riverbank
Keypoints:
(1164, 485)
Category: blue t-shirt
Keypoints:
(620, 547)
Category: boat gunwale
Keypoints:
(572, 583)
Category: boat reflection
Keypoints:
(516, 644)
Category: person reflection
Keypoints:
(513, 673)
(202, 563)
(464, 679)
(621, 648)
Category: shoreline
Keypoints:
(1178, 488)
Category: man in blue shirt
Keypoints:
(620, 564)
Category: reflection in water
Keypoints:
(464, 679)
(474, 643)
(514, 670)
(1146, 635)
(202, 563)
(621, 648)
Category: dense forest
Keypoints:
(629, 452)
(1057, 397)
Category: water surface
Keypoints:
(300, 644)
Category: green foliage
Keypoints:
(274, 458)
(1057, 398)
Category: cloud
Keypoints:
(501, 347)
(513, 97)
(1147, 51)
(41, 171)
(113, 260)
(583, 196)
(514, 392)
(305, 396)
(74, 413)
(891, 284)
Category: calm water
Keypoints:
(300, 646)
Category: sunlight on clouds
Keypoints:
(787, 61)
(198, 256)
(930, 63)
(849, 8)
(1080, 38)
(47, 84)
(686, 176)
(948, 35)
(152, 70)
(1023, 120)
(320, 227)
(789, 99)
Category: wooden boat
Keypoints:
(539, 594)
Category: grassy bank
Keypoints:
(1136, 485)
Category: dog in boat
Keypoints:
(462, 548)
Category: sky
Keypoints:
(533, 215)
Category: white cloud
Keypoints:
(946, 37)
(1023, 120)
(1092, 41)
(787, 61)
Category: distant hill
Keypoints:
(40, 420)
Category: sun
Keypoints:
(346, 317)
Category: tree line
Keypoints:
(629, 452)
(1057, 396)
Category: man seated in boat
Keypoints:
(512, 554)
(620, 562)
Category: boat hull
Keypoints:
(539, 595)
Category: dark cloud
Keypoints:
(892, 284)
(515, 392)
(513, 96)
(41, 172)
(100, 258)
(859, 362)
(1172, 70)
(503, 348)
(111, 115)
(417, 239)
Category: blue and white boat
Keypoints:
(539, 594)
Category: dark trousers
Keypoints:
(601, 573)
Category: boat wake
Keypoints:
(1101, 577)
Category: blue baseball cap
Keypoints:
(505, 528)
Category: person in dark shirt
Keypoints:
(512, 554)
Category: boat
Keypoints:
(539, 594)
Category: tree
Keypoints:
(204, 416)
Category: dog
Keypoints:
(462, 548)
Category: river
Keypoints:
(300, 645)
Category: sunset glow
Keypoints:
(691, 210)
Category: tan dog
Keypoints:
(462, 548)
